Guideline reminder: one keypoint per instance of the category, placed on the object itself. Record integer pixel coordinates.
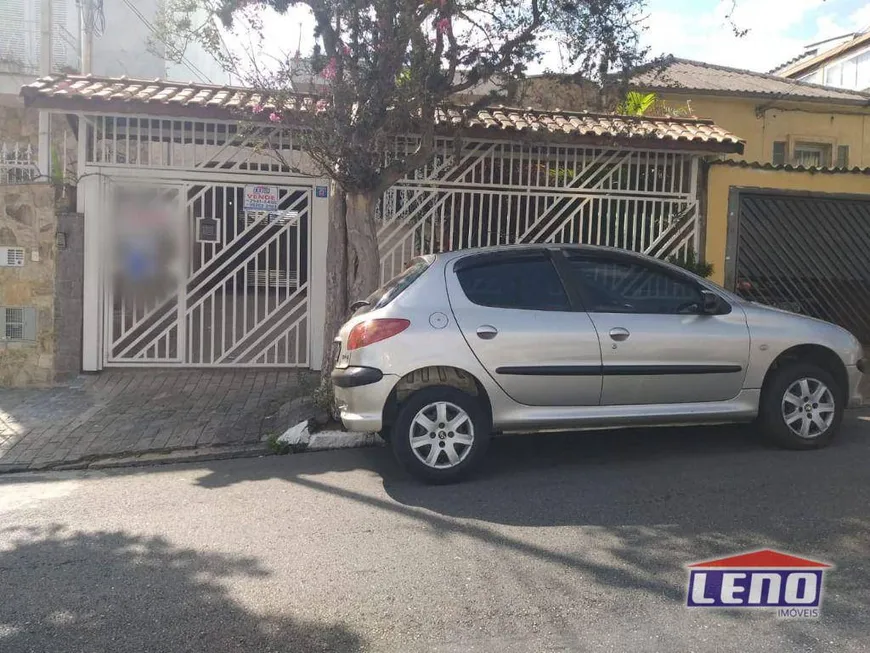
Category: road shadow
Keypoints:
(718, 475)
(112, 591)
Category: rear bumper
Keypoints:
(856, 398)
(362, 405)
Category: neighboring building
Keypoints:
(843, 62)
(783, 121)
(123, 43)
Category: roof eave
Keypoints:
(178, 110)
(685, 90)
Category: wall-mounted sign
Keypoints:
(261, 198)
(321, 191)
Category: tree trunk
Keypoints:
(363, 255)
(336, 277)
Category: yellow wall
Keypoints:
(723, 177)
(761, 123)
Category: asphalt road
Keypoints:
(563, 543)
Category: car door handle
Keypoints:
(486, 332)
(619, 334)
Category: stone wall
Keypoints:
(69, 300)
(27, 219)
(19, 125)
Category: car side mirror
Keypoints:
(710, 304)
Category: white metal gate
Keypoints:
(194, 279)
(499, 193)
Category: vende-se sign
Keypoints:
(261, 198)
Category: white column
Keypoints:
(318, 230)
(696, 198)
(90, 193)
(44, 150)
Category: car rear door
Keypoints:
(656, 345)
(519, 321)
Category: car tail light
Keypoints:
(372, 331)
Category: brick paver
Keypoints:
(134, 411)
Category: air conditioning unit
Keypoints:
(11, 257)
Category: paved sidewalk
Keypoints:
(133, 411)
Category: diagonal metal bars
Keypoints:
(807, 254)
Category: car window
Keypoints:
(398, 284)
(618, 286)
(529, 284)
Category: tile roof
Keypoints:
(806, 64)
(160, 97)
(755, 165)
(676, 74)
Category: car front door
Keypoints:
(519, 321)
(657, 344)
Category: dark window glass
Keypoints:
(530, 284)
(610, 286)
(843, 156)
(397, 285)
(779, 152)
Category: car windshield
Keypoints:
(398, 284)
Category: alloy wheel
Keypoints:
(441, 435)
(808, 408)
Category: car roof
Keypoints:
(446, 256)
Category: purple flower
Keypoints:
(443, 25)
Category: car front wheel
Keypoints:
(440, 434)
(802, 407)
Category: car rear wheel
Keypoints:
(440, 434)
(801, 407)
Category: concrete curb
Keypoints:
(322, 441)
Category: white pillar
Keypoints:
(44, 150)
(318, 230)
(90, 193)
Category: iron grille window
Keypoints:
(17, 323)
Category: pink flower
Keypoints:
(329, 71)
(345, 49)
(257, 108)
(443, 25)
(275, 117)
(321, 105)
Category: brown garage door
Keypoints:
(807, 253)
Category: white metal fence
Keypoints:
(17, 164)
(498, 193)
(471, 193)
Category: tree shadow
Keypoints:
(112, 591)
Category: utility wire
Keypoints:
(187, 63)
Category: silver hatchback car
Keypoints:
(550, 337)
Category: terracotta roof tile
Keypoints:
(683, 74)
(121, 95)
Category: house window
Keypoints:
(834, 75)
(780, 153)
(812, 155)
(843, 156)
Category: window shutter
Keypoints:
(779, 152)
(843, 156)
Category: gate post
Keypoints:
(92, 199)
(317, 272)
